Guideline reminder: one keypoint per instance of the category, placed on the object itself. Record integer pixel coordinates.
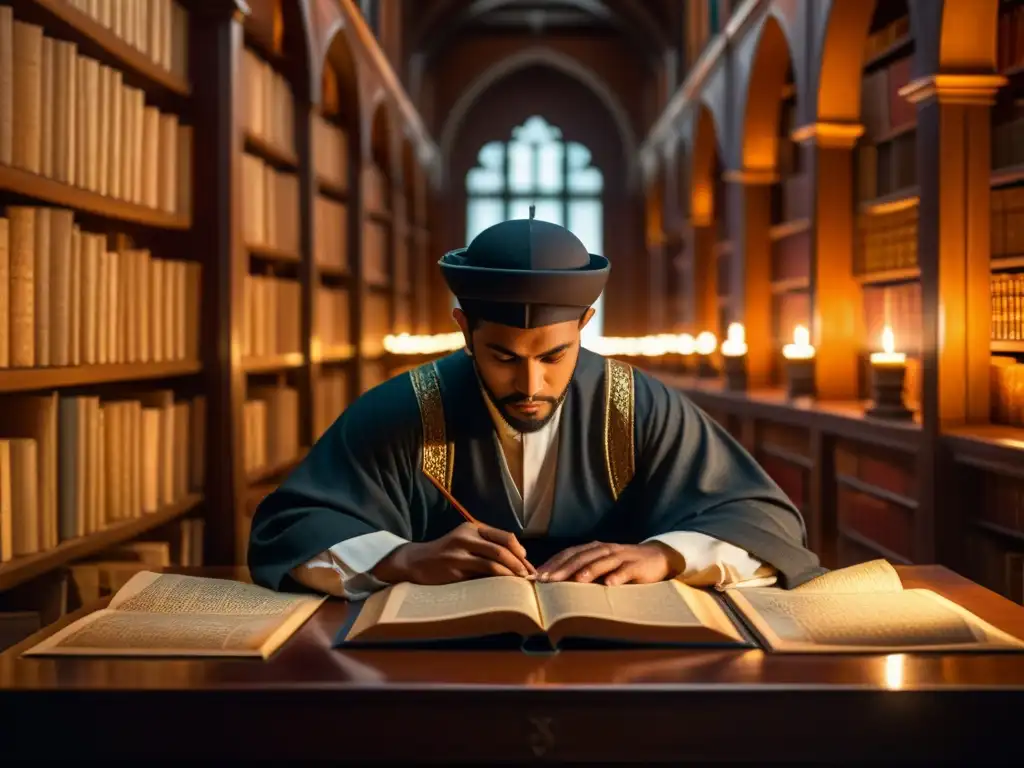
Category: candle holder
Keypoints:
(887, 392)
(706, 367)
(800, 377)
(735, 372)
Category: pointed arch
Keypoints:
(760, 113)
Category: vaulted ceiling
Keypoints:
(647, 27)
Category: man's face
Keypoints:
(526, 372)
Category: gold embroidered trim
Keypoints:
(618, 424)
(438, 453)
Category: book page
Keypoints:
(912, 619)
(873, 576)
(177, 594)
(658, 603)
(431, 603)
(109, 632)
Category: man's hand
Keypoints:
(612, 564)
(467, 552)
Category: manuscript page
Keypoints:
(412, 603)
(870, 577)
(170, 614)
(913, 619)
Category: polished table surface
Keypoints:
(311, 700)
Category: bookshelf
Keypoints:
(336, 237)
(377, 250)
(102, 408)
(789, 234)
(886, 237)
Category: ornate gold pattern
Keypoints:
(438, 453)
(618, 424)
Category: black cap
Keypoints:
(525, 273)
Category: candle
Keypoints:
(887, 356)
(734, 353)
(888, 372)
(735, 343)
(705, 345)
(801, 348)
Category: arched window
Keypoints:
(538, 167)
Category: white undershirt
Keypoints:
(528, 467)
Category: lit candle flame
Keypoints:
(705, 343)
(735, 343)
(888, 341)
(801, 348)
(888, 355)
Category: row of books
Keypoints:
(330, 152)
(1003, 502)
(330, 233)
(1010, 46)
(883, 111)
(331, 321)
(268, 111)
(376, 190)
(1008, 139)
(71, 466)
(1006, 220)
(70, 118)
(272, 310)
(887, 168)
(879, 520)
(793, 198)
(1008, 306)
(886, 241)
(271, 426)
(1007, 394)
(791, 257)
(68, 298)
(158, 29)
(331, 395)
(270, 206)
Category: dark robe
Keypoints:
(364, 474)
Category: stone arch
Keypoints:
(531, 57)
(758, 134)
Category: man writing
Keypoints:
(577, 467)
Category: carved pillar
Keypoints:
(954, 175)
(837, 308)
(750, 295)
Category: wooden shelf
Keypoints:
(280, 158)
(329, 270)
(999, 530)
(791, 285)
(840, 418)
(273, 470)
(1007, 262)
(333, 190)
(49, 191)
(336, 355)
(899, 49)
(270, 253)
(788, 229)
(874, 491)
(906, 275)
(1004, 177)
(61, 19)
(859, 538)
(23, 569)
(270, 363)
(786, 455)
(899, 200)
(31, 379)
(992, 448)
(381, 217)
(1008, 346)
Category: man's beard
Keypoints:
(518, 424)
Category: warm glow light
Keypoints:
(406, 344)
(735, 343)
(888, 356)
(705, 343)
(894, 671)
(801, 348)
(687, 345)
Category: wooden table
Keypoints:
(311, 701)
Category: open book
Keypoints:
(863, 608)
(668, 612)
(174, 615)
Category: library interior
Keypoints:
(221, 224)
